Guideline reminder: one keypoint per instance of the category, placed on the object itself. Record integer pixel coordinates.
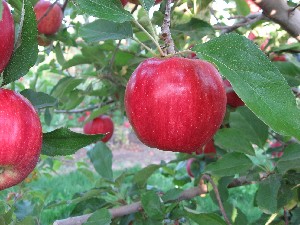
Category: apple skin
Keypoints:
(7, 36)
(51, 23)
(20, 138)
(279, 58)
(100, 125)
(276, 144)
(232, 98)
(175, 104)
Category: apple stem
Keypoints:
(166, 33)
(151, 37)
(215, 188)
(47, 11)
(64, 5)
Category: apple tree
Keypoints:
(215, 81)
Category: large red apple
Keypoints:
(100, 125)
(232, 98)
(20, 138)
(175, 104)
(49, 21)
(7, 36)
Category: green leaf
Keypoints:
(101, 157)
(147, 4)
(39, 100)
(242, 7)
(195, 28)
(152, 205)
(206, 218)
(141, 177)
(105, 9)
(1, 9)
(171, 195)
(231, 164)
(233, 140)
(65, 86)
(59, 54)
(249, 125)
(290, 71)
(256, 80)
(25, 54)
(76, 60)
(101, 216)
(65, 142)
(266, 197)
(290, 158)
(101, 30)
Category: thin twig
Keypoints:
(210, 180)
(47, 11)
(134, 8)
(112, 60)
(286, 217)
(247, 20)
(145, 46)
(150, 36)
(166, 33)
(64, 5)
(295, 7)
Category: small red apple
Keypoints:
(276, 144)
(253, 7)
(232, 98)
(175, 104)
(251, 36)
(209, 148)
(100, 125)
(124, 2)
(192, 55)
(279, 58)
(49, 21)
(20, 138)
(7, 36)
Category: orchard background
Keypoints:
(250, 175)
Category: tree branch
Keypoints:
(137, 206)
(215, 188)
(280, 12)
(166, 33)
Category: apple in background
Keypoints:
(251, 36)
(253, 7)
(276, 144)
(124, 2)
(192, 55)
(209, 148)
(279, 58)
(50, 23)
(100, 125)
(175, 104)
(7, 36)
(20, 138)
(232, 98)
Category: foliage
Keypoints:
(83, 73)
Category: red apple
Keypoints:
(251, 36)
(124, 2)
(20, 138)
(232, 98)
(100, 125)
(276, 144)
(209, 148)
(253, 7)
(7, 36)
(192, 55)
(175, 104)
(50, 21)
(281, 58)
(189, 166)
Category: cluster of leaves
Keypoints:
(86, 68)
